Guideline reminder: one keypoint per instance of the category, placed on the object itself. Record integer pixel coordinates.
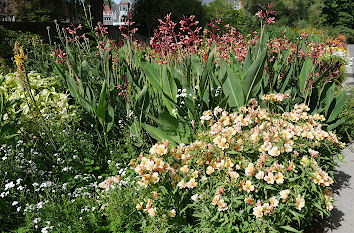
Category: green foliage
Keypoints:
(339, 15)
(147, 12)
(202, 186)
(50, 102)
(36, 51)
(345, 131)
(290, 13)
(42, 10)
(222, 9)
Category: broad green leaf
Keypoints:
(142, 102)
(232, 88)
(72, 86)
(340, 101)
(253, 76)
(329, 96)
(167, 122)
(304, 75)
(286, 81)
(152, 75)
(158, 134)
(203, 82)
(101, 108)
(111, 120)
(196, 65)
(289, 228)
(336, 124)
(248, 61)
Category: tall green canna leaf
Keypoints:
(142, 102)
(232, 88)
(151, 72)
(158, 134)
(304, 75)
(101, 107)
(110, 122)
(329, 96)
(203, 82)
(196, 65)
(339, 104)
(286, 81)
(253, 76)
(248, 61)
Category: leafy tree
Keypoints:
(340, 14)
(42, 10)
(223, 9)
(147, 12)
(290, 12)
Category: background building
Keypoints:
(116, 14)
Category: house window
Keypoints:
(124, 8)
(237, 5)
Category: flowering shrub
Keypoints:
(251, 170)
(48, 100)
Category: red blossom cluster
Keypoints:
(100, 30)
(266, 15)
(129, 33)
(59, 54)
(72, 34)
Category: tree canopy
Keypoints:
(42, 10)
(223, 9)
(147, 12)
(289, 12)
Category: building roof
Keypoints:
(124, 2)
(107, 10)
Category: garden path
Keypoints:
(342, 218)
(350, 70)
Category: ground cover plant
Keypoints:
(223, 131)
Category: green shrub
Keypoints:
(49, 100)
(250, 171)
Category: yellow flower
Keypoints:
(184, 169)
(155, 177)
(195, 174)
(274, 151)
(18, 60)
(250, 170)
(182, 184)
(234, 175)
(139, 206)
(300, 202)
(191, 183)
(195, 197)
(274, 201)
(260, 175)
(279, 178)
(258, 211)
(152, 212)
(284, 194)
(222, 205)
(215, 200)
(172, 213)
(269, 178)
(248, 186)
(329, 206)
(209, 170)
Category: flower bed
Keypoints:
(250, 170)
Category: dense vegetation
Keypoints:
(203, 129)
